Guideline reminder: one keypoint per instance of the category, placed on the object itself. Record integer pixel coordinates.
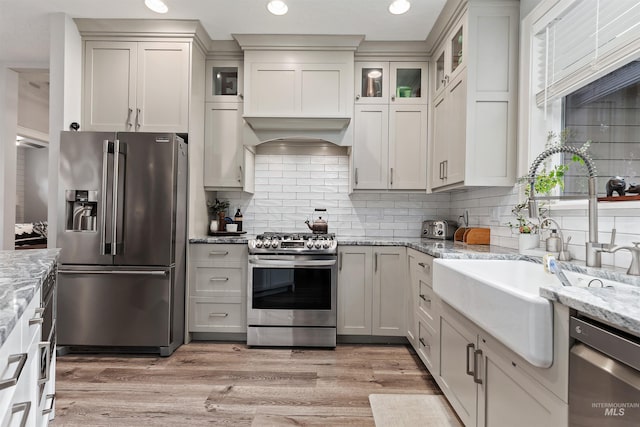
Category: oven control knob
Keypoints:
(267, 243)
(258, 243)
(326, 244)
(275, 243)
(309, 243)
(318, 244)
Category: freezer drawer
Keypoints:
(128, 307)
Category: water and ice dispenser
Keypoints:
(81, 210)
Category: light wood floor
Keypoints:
(205, 383)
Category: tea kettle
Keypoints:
(319, 226)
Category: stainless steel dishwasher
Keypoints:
(604, 375)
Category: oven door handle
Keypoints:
(290, 263)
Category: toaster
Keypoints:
(438, 229)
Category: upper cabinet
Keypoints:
(224, 81)
(136, 86)
(391, 82)
(390, 134)
(474, 98)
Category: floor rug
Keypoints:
(411, 410)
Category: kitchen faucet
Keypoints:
(593, 248)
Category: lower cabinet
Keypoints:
(217, 288)
(27, 370)
(486, 383)
(371, 290)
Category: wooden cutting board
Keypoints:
(458, 236)
(477, 236)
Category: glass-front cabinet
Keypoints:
(224, 81)
(450, 60)
(372, 82)
(391, 82)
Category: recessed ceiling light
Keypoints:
(277, 7)
(157, 6)
(398, 7)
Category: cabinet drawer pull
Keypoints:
(46, 346)
(340, 261)
(215, 253)
(375, 263)
(476, 366)
(356, 176)
(423, 343)
(422, 264)
(424, 298)
(469, 370)
(219, 279)
(50, 408)
(21, 359)
(37, 320)
(218, 314)
(391, 176)
(129, 117)
(23, 407)
(445, 167)
(240, 174)
(138, 114)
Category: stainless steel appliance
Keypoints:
(122, 230)
(438, 229)
(292, 290)
(604, 376)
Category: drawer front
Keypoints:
(425, 268)
(219, 253)
(427, 346)
(427, 304)
(210, 316)
(217, 281)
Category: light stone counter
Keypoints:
(22, 273)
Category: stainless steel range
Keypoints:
(292, 293)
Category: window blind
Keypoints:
(587, 39)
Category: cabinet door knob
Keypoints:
(357, 97)
(393, 97)
(241, 96)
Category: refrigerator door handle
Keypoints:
(129, 272)
(107, 149)
(118, 193)
(114, 189)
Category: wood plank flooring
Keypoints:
(229, 384)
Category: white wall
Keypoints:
(65, 73)
(289, 187)
(8, 126)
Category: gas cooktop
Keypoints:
(293, 243)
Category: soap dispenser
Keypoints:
(554, 244)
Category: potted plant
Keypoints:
(217, 211)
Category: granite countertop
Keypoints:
(22, 273)
(619, 306)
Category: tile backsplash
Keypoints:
(289, 187)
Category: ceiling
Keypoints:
(24, 28)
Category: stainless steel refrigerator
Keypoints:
(122, 230)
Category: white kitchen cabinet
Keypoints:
(217, 291)
(224, 81)
(488, 385)
(391, 83)
(298, 83)
(390, 147)
(136, 86)
(449, 113)
(355, 290)
(475, 99)
(228, 164)
(371, 290)
(28, 399)
(390, 131)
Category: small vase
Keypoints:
(528, 241)
(213, 226)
